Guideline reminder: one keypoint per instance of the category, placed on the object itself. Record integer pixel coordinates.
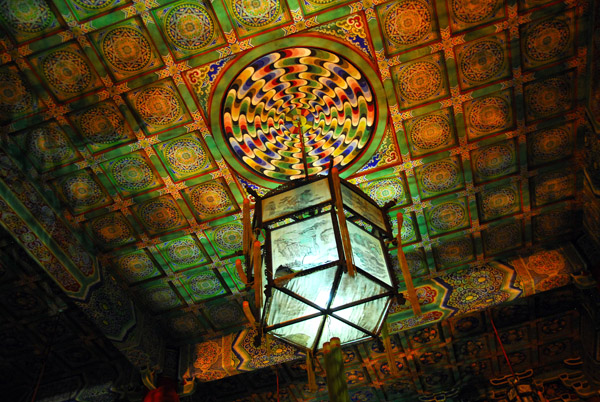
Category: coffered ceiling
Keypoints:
(145, 123)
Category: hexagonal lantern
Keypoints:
(322, 269)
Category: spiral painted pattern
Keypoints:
(332, 100)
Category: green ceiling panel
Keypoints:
(66, 71)
(159, 106)
(202, 284)
(28, 19)
(495, 160)
(103, 126)
(498, 201)
(447, 215)
(431, 132)
(160, 215)
(439, 177)
(489, 115)
(189, 27)
(226, 239)
(183, 253)
(185, 157)
(126, 49)
(136, 266)
(132, 174)
(84, 9)
(81, 191)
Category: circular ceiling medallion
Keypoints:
(547, 40)
(473, 11)
(328, 101)
(408, 22)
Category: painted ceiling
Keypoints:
(144, 124)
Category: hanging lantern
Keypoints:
(316, 256)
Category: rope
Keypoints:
(502, 347)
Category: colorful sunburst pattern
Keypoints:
(332, 99)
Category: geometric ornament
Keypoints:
(183, 253)
(552, 186)
(102, 125)
(256, 13)
(407, 24)
(498, 201)
(48, 146)
(420, 81)
(548, 40)
(185, 156)
(431, 132)
(84, 9)
(253, 16)
(500, 238)
(136, 266)
(447, 216)
(465, 14)
(159, 105)
(111, 230)
(190, 27)
(227, 238)
(132, 173)
(27, 19)
(439, 177)
(210, 199)
(67, 71)
(479, 287)
(336, 126)
(127, 49)
(16, 95)
(489, 114)
(550, 144)
(454, 251)
(82, 192)
(483, 61)
(385, 190)
(160, 215)
(202, 285)
(550, 96)
(494, 161)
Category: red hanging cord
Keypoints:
(502, 347)
(277, 376)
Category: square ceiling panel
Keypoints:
(432, 132)
(408, 24)
(421, 81)
(132, 174)
(103, 126)
(183, 253)
(127, 49)
(189, 28)
(159, 106)
(66, 71)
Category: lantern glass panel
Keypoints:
(303, 245)
(303, 333)
(362, 206)
(296, 199)
(357, 288)
(315, 287)
(367, 315)
(334, 327)
(368, 253)
(285, 308)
